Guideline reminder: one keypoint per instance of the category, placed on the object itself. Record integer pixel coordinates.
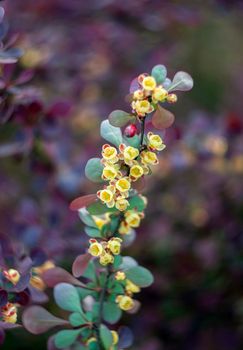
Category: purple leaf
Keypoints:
(24, 77)
(83, 201)
(25, 265)
(125, 337)
(2, 336)
(37, 296)
(80, 264)
(1, 14)
(37, 320)
(5, 325)
(134, 85)
(3, 297)
(51, 344)
(59, 109)
(162, 118)
(57, 275)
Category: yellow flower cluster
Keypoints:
(9, 313)
(105, 250)
(132, 219)
(126, 302)
(125, 167)
(148, 95)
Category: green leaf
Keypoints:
(182, 81)
(111, 133)
(127, 263)
(140, 276)
(98, 209)
(66, 296)
(106, 337)
(159, 73)
(94, 169)
(94, 346)
(120, 118)
(77, 319)
(86, 218)
(117, 261)
(136, 202)
(132, 141)
(65, 338)
(92, 232)
(111, 312)
(90, 272)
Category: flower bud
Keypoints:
(131, 130)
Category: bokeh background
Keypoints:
(83, 55)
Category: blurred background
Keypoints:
(83, 55)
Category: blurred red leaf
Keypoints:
(162, 118)
(37, 320)
(80, 264)
(57, 275)
(83, 201)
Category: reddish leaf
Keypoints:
(57, 275)
(83, 201)
(162, 118)
(80, 264)
(135, 308)
(38, 320)
(6, 325)
(140, 184)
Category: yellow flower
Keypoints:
(132, 218)
(130, 153)
(12, 275)
(149, 158)
(107, 196)
(100, 221)
(109, 173)
(95, 248)
(124, 228)
(172, 98)
(138, 95)
(149, 83)
(91, 340)
(131, 287)
(44, 267)
(155, 142)
(115, 337)
(122, 204)
(123, 184)
(125, 302)
(142, 107)
(106, 259)
(9, 313)
(159, 94)
(114, 245)
(109, 153)
(120, 276)
(136, 171)
(37, 282)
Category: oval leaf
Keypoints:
(111, 133)
(76, 319)
(80, 264)
(65, 338)
(98, 208)
(162, 118)
(86, 218)
(159, 73)
(120, 118)
(37, 320)
(83, 201)
(111, 312)
(94, 169)
(106, 337)
(134, 85)
(140, 276)
(182, 81)
(67, 297)
(57, 275)
(125, 337)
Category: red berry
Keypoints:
(131, 130)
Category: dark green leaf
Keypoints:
(106, 337)
(136, 202)
(98, 209)
(111, 133)
(66, 296)
(111, 312)
(77, 319)
(132, 141)
(94, 169)
(120, 118)
(66, 338)
(140, 276)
